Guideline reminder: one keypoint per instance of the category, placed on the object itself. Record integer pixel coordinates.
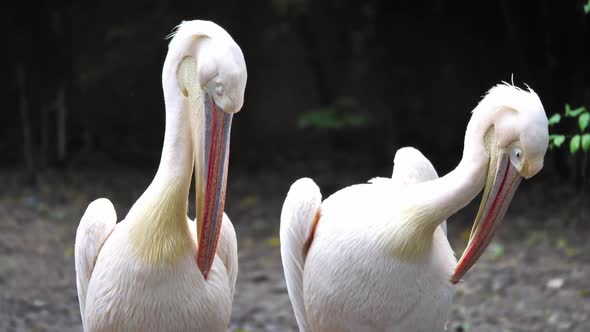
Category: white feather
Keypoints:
(297, 217)
(96, 225)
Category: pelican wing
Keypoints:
(227, 249)
(411, 166)
(95, 227)
(298, 220)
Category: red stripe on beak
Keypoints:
(211, 203)
(492, 211)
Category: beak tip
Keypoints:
(203, 269)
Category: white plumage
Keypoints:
(151, 272)
(365, 288)
(373, 257)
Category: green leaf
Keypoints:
(578, 110)
(557, 140)
(587, 7)
(325, 118)
(575, 144)
(583, 121)
(554, 119)
(356, 120)
(343, 113)
(586, 142)
(572, 113)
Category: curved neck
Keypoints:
(447, 195)
(424, 206)
(162, 233)
(176, 162)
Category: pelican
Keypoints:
(373, 257)
(156, 270)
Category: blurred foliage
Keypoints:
(578, 134)
(579, 140)
(342, 114)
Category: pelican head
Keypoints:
(516, 143)
(205, 72)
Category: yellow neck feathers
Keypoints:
(410, 239)
(159, 230)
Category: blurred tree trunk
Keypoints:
(308, 37)
(61, 38)
(61, 116)
(30, 168)
(43, 156)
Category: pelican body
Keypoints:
(156, 270)
(375, 256)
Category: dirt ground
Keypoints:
(534, 276)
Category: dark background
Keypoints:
(334, 89)
(415, 71)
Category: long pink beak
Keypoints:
(210, 180)
(501, 184)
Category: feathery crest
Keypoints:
(173, 32)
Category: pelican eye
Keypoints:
(516, 154)
(219, 90)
